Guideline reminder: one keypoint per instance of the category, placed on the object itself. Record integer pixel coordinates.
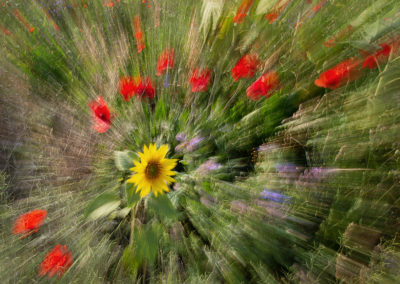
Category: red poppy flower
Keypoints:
(239, 17)
(318, 7)
(242, 11)
(371, 61)
(246, 67)
(127, 87)
(29, 223)
(139, 35)
(340, 74)
(56, 261)
(101, 115)
(200, 80)
(166, 60)
(263, 86)
(276, 11)
(144, 88)
(271, 17)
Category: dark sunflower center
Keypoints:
(152, 170)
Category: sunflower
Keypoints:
(154, 171)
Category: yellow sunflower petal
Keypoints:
(152, 149)
(132, 179)
(169, 164)
(141, 178)
(169, 179)
(170, 173)
(136, 178)
(142, 157)
(139, 169)
(162, 151)
(137, 164)
(144, 191)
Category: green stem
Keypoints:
(133, 218)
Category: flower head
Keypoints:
(166, 81)
(139, 35)
(289, 167)
(274, 196)
(166, 60)
(101, 115)
(318, 7)
(29, 223)
(127, 87)
(242, 11)
(144, 88)
(181, 146)
(154, 171)
(207, 167)
(181, 136)
(272, 17)
(200, 80)
(340, 74)
(371, 61)
(246, 67)
(263, 86)
(192, 145)
(56, 261)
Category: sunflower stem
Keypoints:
(133, 218)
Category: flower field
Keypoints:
(212, 141)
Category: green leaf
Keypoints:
(162, 206)
(146, 244)
(121, 213)
(130, 261)
(123, 160)
(132, 196)
(144, 248)
(102, 206)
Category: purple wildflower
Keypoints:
(274, 196)
(181, 136)
(194, 142)
(207, 167)
(287, 168)
(180, 147)
(166, 81)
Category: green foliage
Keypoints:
(132, 197)
(163, 207)
(123, 160)
(102, 205)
